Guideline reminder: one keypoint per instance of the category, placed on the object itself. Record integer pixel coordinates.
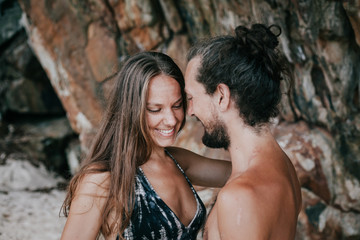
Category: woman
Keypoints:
(131, 186)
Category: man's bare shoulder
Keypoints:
(238, 192)
(251, 191)
(239, 211)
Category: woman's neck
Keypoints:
(158, 155)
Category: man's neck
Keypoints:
(247, 144)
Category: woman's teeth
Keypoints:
(169, 131)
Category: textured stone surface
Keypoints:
(9, 17)
(24, 85)
(332, 192)
(352, 9)
(58, 36)
(43, 142)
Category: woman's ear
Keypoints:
(222, 94)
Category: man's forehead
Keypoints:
(191, 73)
(193, 66)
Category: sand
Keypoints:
(29, 202)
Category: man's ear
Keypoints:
(222, 94)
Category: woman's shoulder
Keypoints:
(91, 192)
(87, 204)
(94, 183)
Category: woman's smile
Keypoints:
(166, 132)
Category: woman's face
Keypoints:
(164, 110)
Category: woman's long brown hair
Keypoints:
(123, 142)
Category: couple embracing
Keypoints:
(134, 185)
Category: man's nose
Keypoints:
(190, 110)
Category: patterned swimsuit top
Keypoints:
(153, 219)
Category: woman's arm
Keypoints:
(84, 218)
(202, 171)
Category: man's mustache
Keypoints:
(197, 119)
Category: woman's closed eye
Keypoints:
(154, 110)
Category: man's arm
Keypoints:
(240, 214)
(201, 170)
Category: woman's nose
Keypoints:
(170, 118)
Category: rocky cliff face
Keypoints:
(80, 45)
(33, 124)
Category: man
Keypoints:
(233, 88)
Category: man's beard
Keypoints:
(218, 137)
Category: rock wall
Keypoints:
(80, 45)
(33, 125)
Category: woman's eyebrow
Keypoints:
(159, 104)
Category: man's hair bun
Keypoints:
(258, 39)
